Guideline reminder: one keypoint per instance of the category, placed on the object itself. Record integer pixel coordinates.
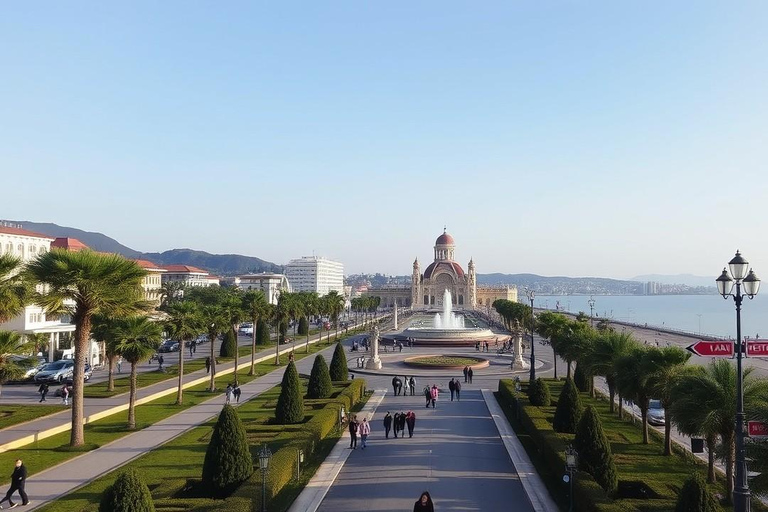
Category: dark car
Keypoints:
(169, 346)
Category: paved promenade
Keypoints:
(456, 454)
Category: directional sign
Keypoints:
(758, 348)
(757, 429)
(712, 348)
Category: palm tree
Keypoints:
(279, 316)
(170, 292)
(183, 324)
(632, 379)
(93, 283)
(139, 338)
(255, 306)
(103, 330)
(708, 398)
(551, 325)
(232, 308)
(663, 367)
(609, 347)
(335, 307)
(14, 356)
(14, 292)
(573, 341)
(214, 322)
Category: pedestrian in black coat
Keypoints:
(397, 423)
(412, 383)
(458, 390)
(402, 424)
(387, 424)
(466, 373)
(18, 479)
(410, 420)
(470, 373)
(208, 364)
(43, 390)
(353, 432)
(427, 395)
(397, 385)
(424, 504)
(452, 388)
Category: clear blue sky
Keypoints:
(577, 138)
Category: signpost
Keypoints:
(757, 348)
(757, 429)
(712, 348)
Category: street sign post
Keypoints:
(757, 348)
(712, 348)
(757, 429)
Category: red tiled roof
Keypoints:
(433, 268)
(70, 244)
(184, 268)
(23, 232)
(149, 265)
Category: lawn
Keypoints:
(168, 468)
(55, 449)
(443, 361)
(11, 415)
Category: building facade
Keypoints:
(271, 285)
(188, 275)
(315, 274)
(152, 282)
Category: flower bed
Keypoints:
(441, 362)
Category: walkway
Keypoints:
(55, 482)
(456, 454)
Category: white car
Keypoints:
(656, 414)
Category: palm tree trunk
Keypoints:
(237, 353)
(711, 476)
(592, 386)
(252, 371)
(277, 343)
(212, 385)
(730, 456)
(611, 394)
(132, 399)
(621, 406)
(644, 420)
(307, 345)
(667, 434)
(111, 373)
(555, 361)
(568, 375)
(180, 391)
(82, 335)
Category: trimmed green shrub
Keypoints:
(339, 371)
(229, 344)
(539, 393)
(283, 330)
(581, 379)
(568, 409)
(695, 497)
(303, 326)
(595, 451)
(320, 385)
(290, 405)
(129, 493)
(262, 332)
(228, 459)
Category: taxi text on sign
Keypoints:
(712, 348)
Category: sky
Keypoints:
(571, 138)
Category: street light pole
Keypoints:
(532, 377)
(591, 303)
(738, 269)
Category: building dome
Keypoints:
(445, 239)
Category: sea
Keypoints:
(696, 314)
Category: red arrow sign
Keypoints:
(757, 348)
(712, 348)
(757, 429)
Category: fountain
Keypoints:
(448, 320)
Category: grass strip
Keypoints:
(11, 415)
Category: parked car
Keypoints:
(58, 371)
(169, 346)
(656, 414)
(30, 374)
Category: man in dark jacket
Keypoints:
(452, 388)
(397, 385)
(410, 420)
(466, 372)
(18, 479)
(469, 374)
(402, 424)
(387, 424)
(396, 423)
(353, 432)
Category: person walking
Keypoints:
(160, 361)
(120, 364)
(452, 388)
(65, 394)
(396, 423)
(427, 394)
(191, 348)
(208, 364)
(424, 504)
(412, 384)
(397, 385)
(401, 426)
(228, 392)
(365, 430)
(194, 346)
(433, 394)
(18, 479)
(469, 374)
(236, 392)
(466, 373)
(458, 391)
(410, 420)
(406, 385)
(353, 433)
(43, 390)
(387, 424)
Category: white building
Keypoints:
(152, 282)
(271, 285)
(315, 274)
(190, 276)
(27, 245)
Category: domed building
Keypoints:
(444, 273)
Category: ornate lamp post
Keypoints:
(264, 455)
(571, 463)
(738, 275)
(591, 303)
(530, 294)
(299, 462)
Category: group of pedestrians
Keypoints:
(362, 429)
(468, 373)
(455, 388)
(233, 390)
(400, 421)
(406, 385)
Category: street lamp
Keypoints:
(264, 455)
(738, 275)
(591, 303)
(299, 462)
(571, 463)
(530, 294)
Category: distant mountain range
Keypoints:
(219, 264)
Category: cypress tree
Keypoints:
(595, 451)
(539, 394)
(262, 332)
(129, 493)
(568, 409)
(695, 497)
(228, 459)
(320, 385)
(290, 405)
(303, 326)
(339, 371)
(228, 345)
(581, 379)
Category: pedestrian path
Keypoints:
(456, 454)
(57, 481)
